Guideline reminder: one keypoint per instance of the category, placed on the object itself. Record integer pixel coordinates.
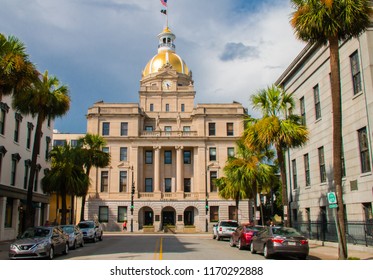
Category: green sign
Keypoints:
(332, 198)
(333, 205)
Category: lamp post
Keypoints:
(206, 200)
(132, 196)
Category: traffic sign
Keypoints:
(334, 205)
(332, 198)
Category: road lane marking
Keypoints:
(158, 250)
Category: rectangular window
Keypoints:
(124, 129)
(105, 149)
(212, 154)
(322, 165)
(230, 131)
(364, 150)
(307, 169)
(167, 107)
(105, 128)
(148, 184)
(4, 108)
(13, 172)
(187, 185)
(214, 213)
(74, 143)
(151, 109)
(36, 180)
(213, 177)
(149, 157)
(303, 110)
(167, 184)
(187, 157)
(123, 181)
(122, 214)
(27, 170)
(168, 130)
(182, 107)
(123, 154)
(230, 151)
(8, 213)
(1, 159)
(148, 128)
(30, 127)
(167, 157)
(18, 119)
(355, 71)
(232, 212)
(186, 128)
(47, 147)
(316, 94)
(104, 181)
(294, 167)
(212, 129)
(343, 162)
(103, 214)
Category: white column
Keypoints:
(179, 169)
(157, 151)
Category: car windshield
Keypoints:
(229, 224)
(68, 229)
(86, 225)
(287, 232)
(36, 233)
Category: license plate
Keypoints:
(291, 243)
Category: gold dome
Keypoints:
(163, 58)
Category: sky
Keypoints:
(99, 48)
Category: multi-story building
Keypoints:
(16, 144)
(165, 148)
(310, 172)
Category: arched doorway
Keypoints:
(189, 215)
(146, 217)
(168, 216)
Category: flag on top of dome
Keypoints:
(164, 2)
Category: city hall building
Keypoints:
(165, 148)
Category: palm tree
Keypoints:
(246, 174)
(43, 99)
(66, 176)
(93, 155)
(16, 71)
(329, 21)
(277, 127)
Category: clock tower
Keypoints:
(166, 87)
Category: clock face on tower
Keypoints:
(167, 84)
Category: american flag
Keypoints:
(164, 2)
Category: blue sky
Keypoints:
(100, 47)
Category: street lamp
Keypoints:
(132, 196)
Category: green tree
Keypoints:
(16, 71)
(246, 174)
(278, 127)
(93, 156)
(43, 99)
(66, 176)
(329, 21)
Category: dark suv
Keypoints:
(92, 230)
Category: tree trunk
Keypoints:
(85, 195)
(64, 208)
(337, 142)
(30, 210)
(284, 193)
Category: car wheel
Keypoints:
(239, 245)
(51, 253)
(265, 252)
(252, 248)
(66, 251)
(231, 243)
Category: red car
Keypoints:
(242, 236)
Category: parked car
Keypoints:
(224, 229)
(280, 240)
(75, 236)
(39, 242)
(92, 230)
(242, 236)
